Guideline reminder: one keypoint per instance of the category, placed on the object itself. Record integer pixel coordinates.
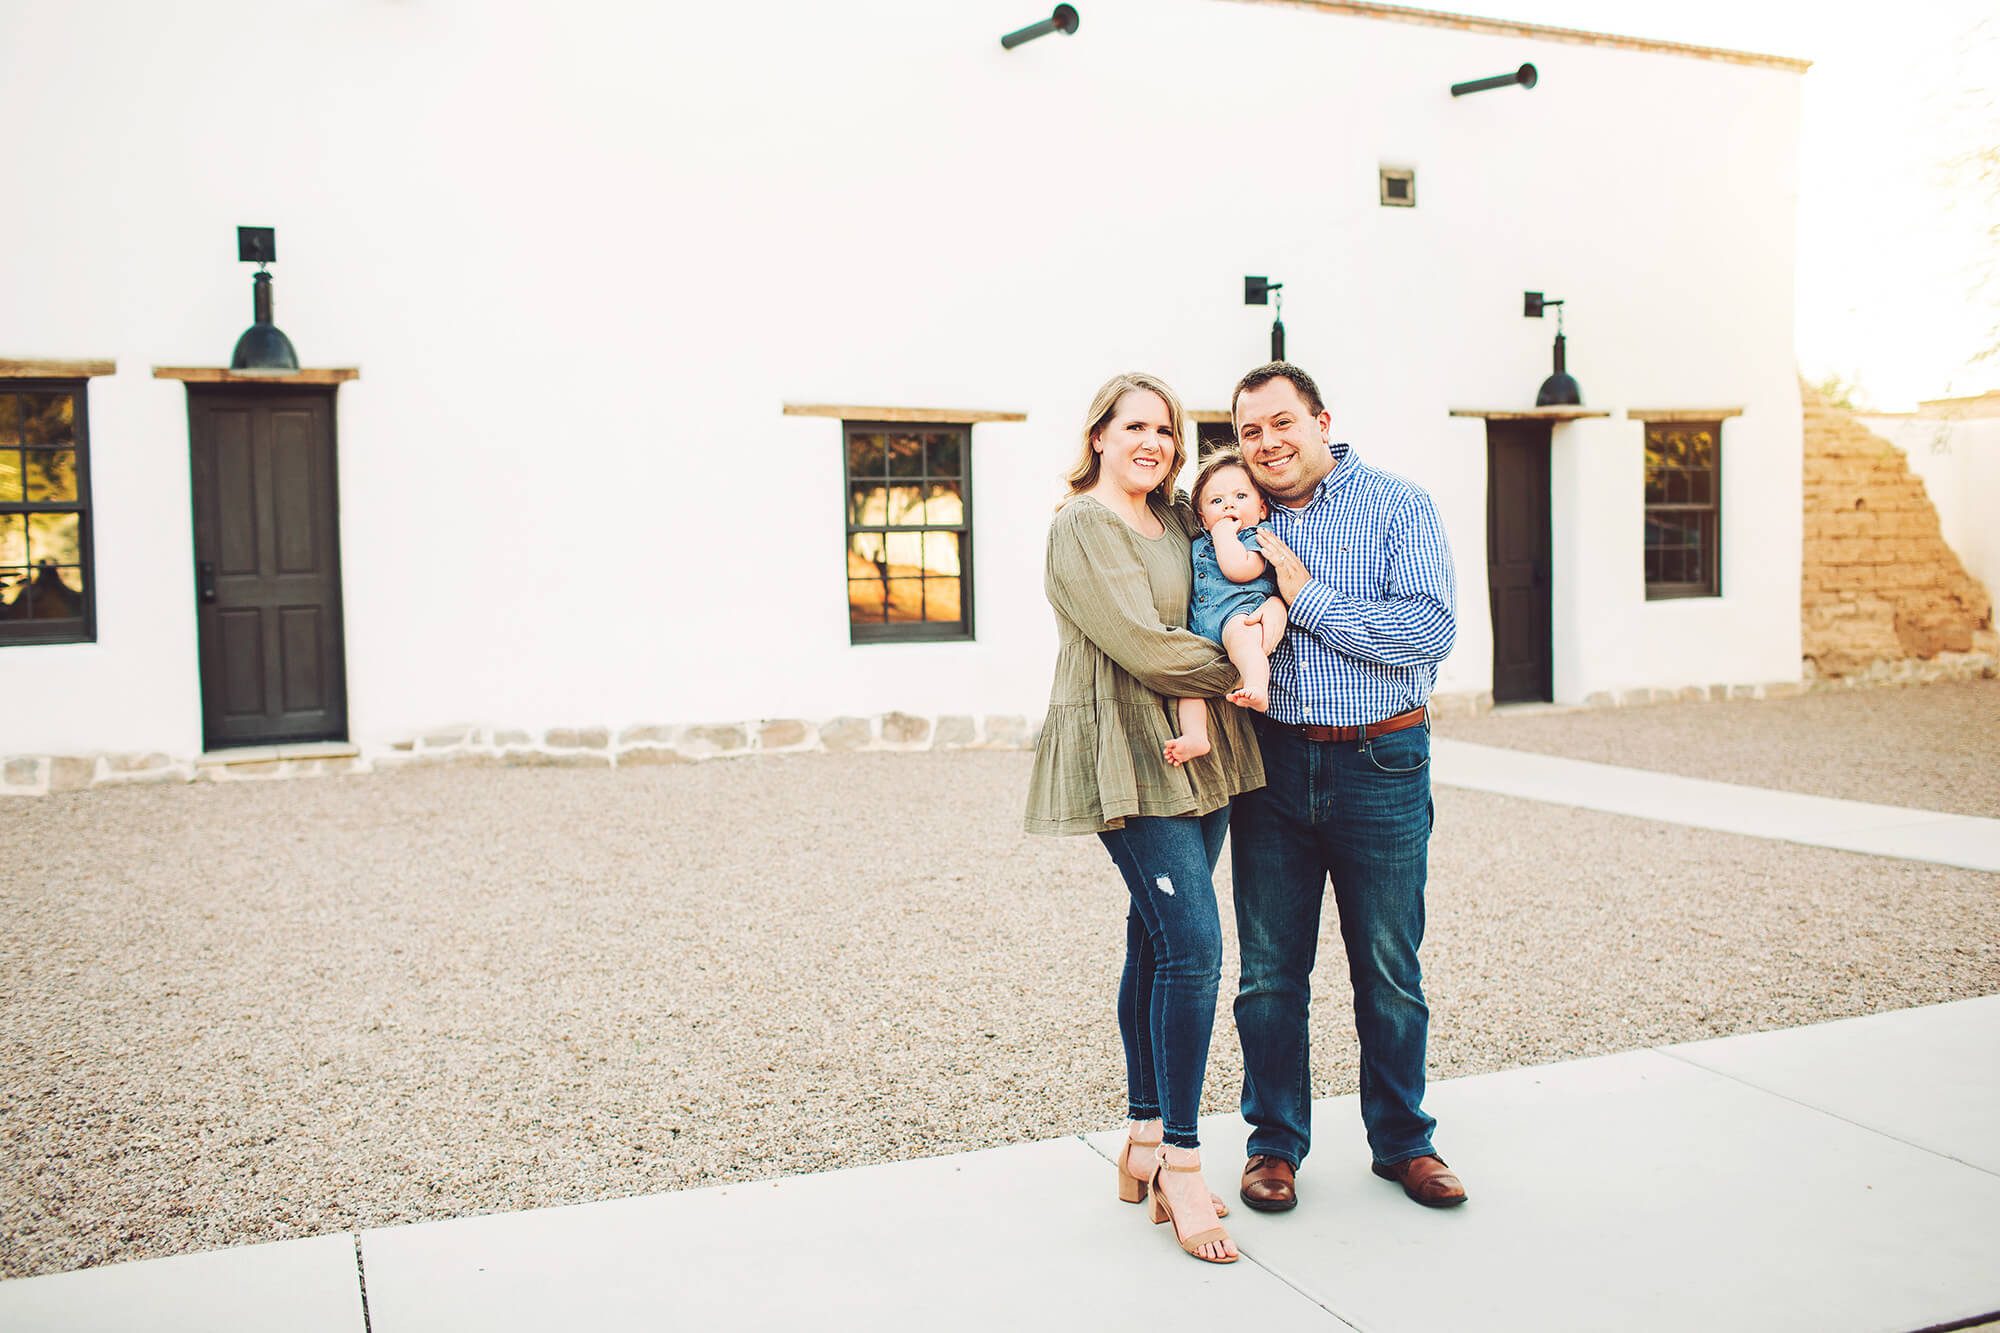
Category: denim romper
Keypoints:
(1216, 598)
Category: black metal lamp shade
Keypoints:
(1560, 389)
(263, 345)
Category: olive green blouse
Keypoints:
(1124, 655)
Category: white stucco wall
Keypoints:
(584, 253)
(1959, 462)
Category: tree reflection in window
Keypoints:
(44, 507)
(909, 532)
(1683, 509)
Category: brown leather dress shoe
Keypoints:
(1425, 1179)
(1269, 1184)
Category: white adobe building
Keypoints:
(611, 313)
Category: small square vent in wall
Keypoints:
(1399, 187)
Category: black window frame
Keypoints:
(21, 633)
(918, 631)
(1711, 551)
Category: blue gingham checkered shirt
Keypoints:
(1380, 610)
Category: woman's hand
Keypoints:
(1287, 568)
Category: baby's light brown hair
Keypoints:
(1212, 463)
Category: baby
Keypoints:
(1235, 599)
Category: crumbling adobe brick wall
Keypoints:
(1879, 583)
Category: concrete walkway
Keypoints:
(1760, 812)
(1844, 1176)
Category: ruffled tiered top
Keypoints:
(1124, 655)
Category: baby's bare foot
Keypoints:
(1183, 748)
(1260, 700)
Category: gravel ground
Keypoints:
(248, 1012)
(1935, 747)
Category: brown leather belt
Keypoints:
(1367, 730)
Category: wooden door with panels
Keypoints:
(267, 564)
(1518, 551)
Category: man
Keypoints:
(1361, 562)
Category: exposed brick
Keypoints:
(644, 755)
(578, 738)
(846, 733)
(1878, 584)
(904, 729)
(956, 732)
(649, 733)
(1007, 733)
(68, 773)
(782, 734)
(708, 740)
(143, 777)
(549, 759)
(22, 771)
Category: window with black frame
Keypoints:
(1683, 509)
(909, 532)
(45, 567)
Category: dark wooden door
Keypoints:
(267, 565)
(1517, 559)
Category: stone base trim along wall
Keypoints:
(494, 747)
(651, 744)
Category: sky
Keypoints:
(1898, 248)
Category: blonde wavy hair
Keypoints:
(1084, 475)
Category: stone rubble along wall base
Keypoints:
(1908, 671)
(472, 746)
(651, 744)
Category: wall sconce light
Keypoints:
(1064, 21)
(1559, 389)
(263, 345)
(1258, 291)
(1525, 76)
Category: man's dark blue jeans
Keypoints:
(1362, 814)
(1173, 964)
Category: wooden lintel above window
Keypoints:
(1530, 413)
(1206, 418)
(224, 375)
(935, 416)
(55, 370)
(1674, 414)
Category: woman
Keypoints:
(1119, 576)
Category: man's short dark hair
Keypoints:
(1279, 370)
